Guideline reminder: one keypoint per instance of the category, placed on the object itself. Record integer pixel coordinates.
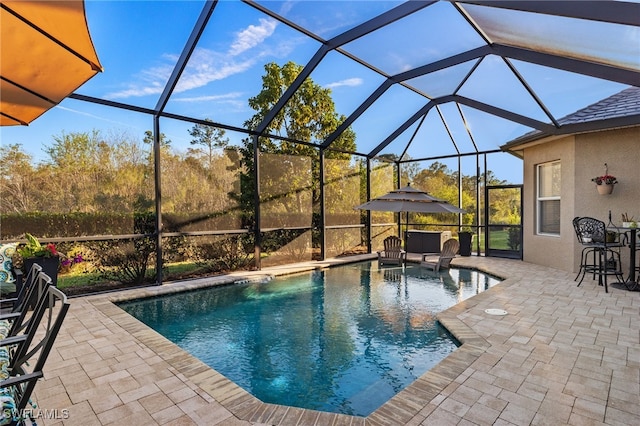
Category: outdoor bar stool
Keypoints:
(588, 256)
(599, 256)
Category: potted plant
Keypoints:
(45, 255)
(628, 221)
(604, 183)
(465, 237)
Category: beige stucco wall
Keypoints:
(545, 249)
(582, 157)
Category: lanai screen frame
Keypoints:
(613, 12)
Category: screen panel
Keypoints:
(286, 208)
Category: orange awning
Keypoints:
(46, 53)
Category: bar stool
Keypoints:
(599, 256)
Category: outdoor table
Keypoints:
(630, 282)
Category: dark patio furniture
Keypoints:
(23, 356)
(449, 250)
(631, 238)
(15, 321)
(599, 257)
(393, 254)
(14, 304)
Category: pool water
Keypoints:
(343, 340)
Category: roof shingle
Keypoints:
(623, 104)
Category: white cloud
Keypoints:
(204, 65)
(231, 100)
(350, 82)
(252, 36)
(134, 92)
(151, 82)
(286, 7)
(209, 98)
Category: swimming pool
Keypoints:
(344, 339)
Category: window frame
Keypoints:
(540, 199)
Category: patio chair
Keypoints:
(599, 257)
(15, 321)
(449, 251)
(22, 357)
(585, 239)
(393, 254)
(10, 277)
(14, 304)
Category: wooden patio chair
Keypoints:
(449, 251)
(393, 254)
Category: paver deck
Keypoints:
(562, 355)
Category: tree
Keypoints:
(164, 142)
(165, 145)
(209, 138)
(241, 160)
(127, 174)
(441, 182)
(409, 170)
(16, 179)
(90, 173)
(309, 116)
(76, 168)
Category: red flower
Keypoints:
(51, 248)
(606, 179)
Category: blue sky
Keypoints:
(138, 43)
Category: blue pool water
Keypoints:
(343, 340)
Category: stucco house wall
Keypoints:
(582, 157)
(554, 251)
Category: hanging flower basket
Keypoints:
(605, 188)
(605, 183)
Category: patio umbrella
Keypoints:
(46, 53)
(409, 199)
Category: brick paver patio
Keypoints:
(562, 355)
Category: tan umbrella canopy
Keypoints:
(409, 199)
(45, 54)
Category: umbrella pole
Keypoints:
(406, 230)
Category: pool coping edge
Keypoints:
(412, 401)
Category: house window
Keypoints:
(548, 198)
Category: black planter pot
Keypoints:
(49, 266)
(465, 239)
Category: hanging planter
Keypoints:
(605, 183)
(605, 188)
